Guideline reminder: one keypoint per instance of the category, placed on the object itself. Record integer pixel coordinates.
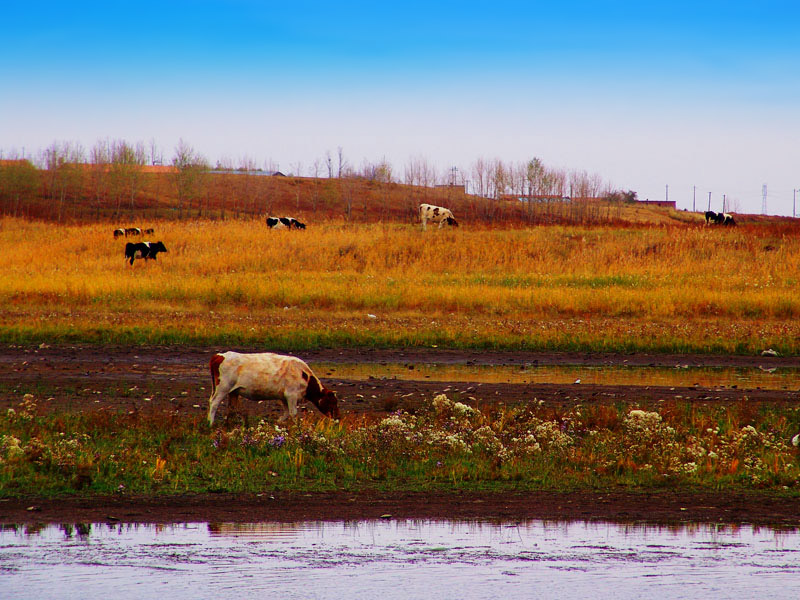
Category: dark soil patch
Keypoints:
(135, 378)
(657, 507)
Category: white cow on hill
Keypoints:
(436, 214)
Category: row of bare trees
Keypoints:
(532, 178)
(108, 179)
(111, 181)
(489, 178)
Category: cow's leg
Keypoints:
(222, 391)
(424, 223)
(441, 223)
(290, 399)
(233, 404)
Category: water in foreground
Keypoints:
(399, 559)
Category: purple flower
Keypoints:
(278, 441)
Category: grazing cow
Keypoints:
(719, 218)
(284, 223)
(133, 231)
(268, 376)
(146, 250)
(149, 231)
(118, 233)
(436, 214)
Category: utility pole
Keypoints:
(694, 198)
(709, 200)
(794, 203)
(764, 199)
(724, 202)
(666, 197)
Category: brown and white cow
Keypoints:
(268, 376)
(436, 214)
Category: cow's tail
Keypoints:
(214, 364)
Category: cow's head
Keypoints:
(452, 221)
(324, 399)
(329, 404)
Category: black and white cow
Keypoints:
(118, 233)
(149, 230)
(146, 250)
(719, 218)
(284, 223)
(436, 214)
(132, 231)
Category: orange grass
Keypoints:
(683, 288)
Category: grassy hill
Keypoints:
(83, 193)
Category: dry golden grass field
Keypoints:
(665, 288)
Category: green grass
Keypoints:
(578, 334)
(445, 446)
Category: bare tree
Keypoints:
(480, 176)
(190, 171)
(316, 168)
(19, 181)
(347, 192)
(247, 190)
(65, 169)
(342, 162)
(125, 174)
(100, 159)
(498, 177)
(156, 156)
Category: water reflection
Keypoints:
(398, 559)
(677, 376)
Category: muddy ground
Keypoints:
(124, 378)
(117, 378)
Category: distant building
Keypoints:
(258, 172)
(14, 162)
(537, 198)
(462, 187)
(662, 203)
(158, 169)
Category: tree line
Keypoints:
(114, 178)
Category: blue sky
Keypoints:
(703, 94)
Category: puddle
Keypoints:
(398, 559)
(742, 377)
